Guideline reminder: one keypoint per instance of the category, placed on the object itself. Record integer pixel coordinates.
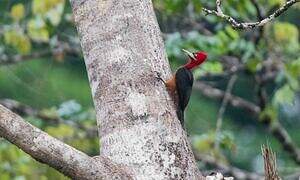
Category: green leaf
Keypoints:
(39, 7)
(24, 45)
(205, 142)
(175, 6)
(51, 10)
(284, 95)
(253, 65)
(4, 176)
(285, 32)
(10, 37)
(61, 131)
(42, 7)
(18, 40)
(50, 113)
(37, 30)
(232, 33)
(197, 6)
(292, 73)
(293, 68)
(212, 67)
(293, 82)
(276, 2)
(54, 15)
(17, 12)
(226, 140)
(286, 35)
(223, 37)
(269, 113)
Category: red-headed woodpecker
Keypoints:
(182, 81)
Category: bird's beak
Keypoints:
(189, 54)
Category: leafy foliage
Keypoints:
(61, 93)
(284, 95)
(17, 12)
(18, 40)
(287, 35)
(27, 28)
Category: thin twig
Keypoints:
(259, 11)
(277, 130)
(234, 101)
(248, 25)
(260, 16)
(227, 169)
(223, 107)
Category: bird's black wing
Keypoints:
(184, 82)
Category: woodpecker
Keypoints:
(181, 82)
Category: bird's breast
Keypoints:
(171, 84)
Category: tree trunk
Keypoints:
(141, 137)
(136, 117)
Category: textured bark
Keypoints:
(137, 122)
(53, 152)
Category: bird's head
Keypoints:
(195, 59)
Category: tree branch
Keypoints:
(227, 169)
(260, 16)
(5, 60)
(234, 101)
(248, 25)
(18, 108)
(53, 152)
(281, 134)
(25, 110)
(259, 11)
(62, 48)
(223, 107)
(277, 130)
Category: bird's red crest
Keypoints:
(197, 59)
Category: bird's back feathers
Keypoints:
(184, 83)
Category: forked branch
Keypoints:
(248, 25)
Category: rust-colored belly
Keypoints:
(171, 84)
(171, 87)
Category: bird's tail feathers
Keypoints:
(180, 115)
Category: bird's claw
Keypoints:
(158, 76)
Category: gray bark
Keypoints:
(137, 122)
(53, 152)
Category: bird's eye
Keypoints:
(194, 54)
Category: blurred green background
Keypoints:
(52, 80)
